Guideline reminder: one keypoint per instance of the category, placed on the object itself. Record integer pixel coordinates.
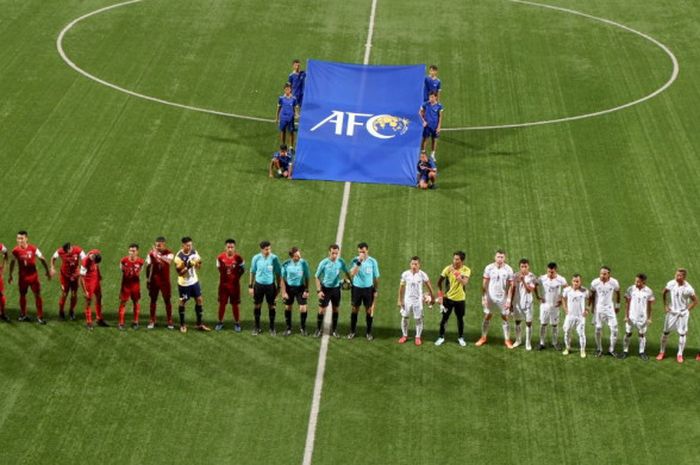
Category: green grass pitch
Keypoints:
(82, 162)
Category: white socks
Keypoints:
(404, 326)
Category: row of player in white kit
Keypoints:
(513, 294)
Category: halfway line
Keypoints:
(323, 352)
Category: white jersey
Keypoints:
(498, 280)
(522, 298)
(552, 289)
(638, 302)
(604, 292)
(413, 282)
(575, 301)
(681, 295)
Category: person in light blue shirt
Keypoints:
(265, 276)
(328, 281)
(295, 286)
(365, 284)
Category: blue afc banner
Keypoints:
(360, 123)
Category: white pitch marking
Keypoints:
(674, 76)
(69, 62)
(368, 46)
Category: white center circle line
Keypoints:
(666, 85)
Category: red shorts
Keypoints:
(32, 281)
(93, 288)
(69, 283)
(2, 284)
(229, 294)
(163, 287)
(130, 292)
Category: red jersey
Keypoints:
(70, 261)
(26, 259)
(89, 270)
(230, 269)
(130, 271)
(161, 268)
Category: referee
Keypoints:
(265, 275)
(365, 283)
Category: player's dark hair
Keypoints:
(433, 93)
(283, 148)
(264, 244)
(524, 261)
(134, 245)
(160, 239)
(334, 247)
(460, 254)
(296, 60)
(186, 239)
(642, 276)
(433, 67)
(66, 247)
(287, 84)
(416, 258)
(231, 241)
(606, 268)
(682, 270)
(292, 251)
(552, 266)
(97, 258)
(22, 232)
(501, 251)
(576, 275)
(362, 245)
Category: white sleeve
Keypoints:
(39, 254)
(218, 263)
(4, 249)
(425, 277)
(55, 255)
(83, 270)
(148, 259)
(82, 255)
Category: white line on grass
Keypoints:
(368, 47)
(69, 62)
(321, 368)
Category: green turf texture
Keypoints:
(84, 163)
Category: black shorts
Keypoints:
(266, 292)
(362, 296)
(295, 293)
(457, 305)
(330, 294)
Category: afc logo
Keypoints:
(381, 126)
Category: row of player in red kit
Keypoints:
(81, 270)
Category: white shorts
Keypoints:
(412, 307)
(549, 315)
(676, 322)
(575, 322)
(523, 313)
(605, 316)
(499, 305)
(640, 325)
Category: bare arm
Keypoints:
(693, 302)
(402, 290)
(665, 300)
